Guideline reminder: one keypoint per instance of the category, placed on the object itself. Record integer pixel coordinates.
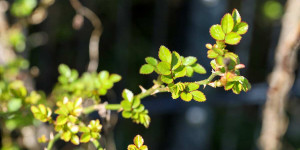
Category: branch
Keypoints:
(52, 141)
(275, 121)
(96, 33)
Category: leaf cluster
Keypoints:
(173, 66)
(138, 144)
(132, 108)
(226, 63)
(89, 85)
(68, 122)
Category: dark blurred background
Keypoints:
(134, 29)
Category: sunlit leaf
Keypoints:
(164, 54)
(227, 23)
(216, 32)
(232, 38)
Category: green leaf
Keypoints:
(180, 72)
(212, 54)
(103, 75)
(241, 28)
(75, 139)
(198, 96)
(220, 44)
(136, 102)
(85, 137)
(237, 88)
(146, 69)
(220, 60)
(84, 129)
(192, 86)
(229, 85)
(74, 75)
(232, 38)
(64, 70)
(233, 57)
(218, 51)
(61, 120)
(14, 104)
(227, 23)
(144, 147)
(190, 60)
(164, 54)
(152, 61)
(216, 32)
(189, 71)
(23, 8)
(138, 141)
(166, 79)
(140, 108)
(132, 147)
(176, 61)
(199, 69)
(66, 136)
(213, 64)
(146, 121)
(126, 105)
(115, 78)
(236, 16)
(186, 96)
(126, 114)
(164, 68)
(127, 95)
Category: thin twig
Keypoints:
(95, 36)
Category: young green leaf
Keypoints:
(85, 137)
(212, 54)
(164, 68)
(164, 54)
(216, 32)
(236, 16)
(220, 44)
(227, 23)
(166, 79)
(64, 70)
(127, 95)
(152, 61)
(189, 71)
(199, 69)
(192, 86)
(176, 60)
(198, 96)
(180, 72)
(75, 139)
(241, 28)
(186, 96)
(146, 69)
(138, 141)
(190, 60)
(232, 38)
(126, 105)
(61, 120)
(115, 78)
(126, 114)
(103, 75)
(132, 147)
(218, 51)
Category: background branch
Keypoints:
(95, 36)
(282, 78)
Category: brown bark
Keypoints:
(282, 78)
